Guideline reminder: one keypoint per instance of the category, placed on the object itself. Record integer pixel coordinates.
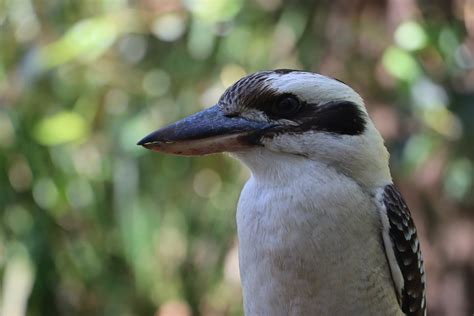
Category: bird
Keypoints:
(322, 229)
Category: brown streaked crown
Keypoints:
(248, 92)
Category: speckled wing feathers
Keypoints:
(406, 250)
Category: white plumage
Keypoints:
(322, 229)
(310, 242)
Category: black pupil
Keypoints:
(287, 106)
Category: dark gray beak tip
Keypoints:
(144, 141)
(149, 140)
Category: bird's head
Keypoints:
(284, 113)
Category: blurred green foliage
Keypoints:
(94, 225)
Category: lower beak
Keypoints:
(205, 132)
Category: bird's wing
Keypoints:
(403, 252)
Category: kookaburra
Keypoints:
(322, 229)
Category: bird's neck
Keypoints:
(272, 167)
(283, 168)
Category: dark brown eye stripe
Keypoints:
(343, 118)
(255, 92)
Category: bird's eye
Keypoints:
(286, 107)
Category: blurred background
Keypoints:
(91, 224)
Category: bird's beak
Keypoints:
(205, 132)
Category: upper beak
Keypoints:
(205, 132)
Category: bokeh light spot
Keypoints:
(174, 308)
(172, 245)
(132, 47)
(27, 29)
(79, 193)
(417, 150)
(207, 183)
(45, 193)
(18, 219)
(200, 40)
(18, 278)
(231, 265)
(458, 181)
(156, 82)
(116, 101)
(410, 36)
(101, 33)
(60, 128)
(169, 27)
(213, 11)
(428, 95)
(447, 41)
(444, 122)
(400, 64)
(23, 16)
(20, 175)
(464, 57)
